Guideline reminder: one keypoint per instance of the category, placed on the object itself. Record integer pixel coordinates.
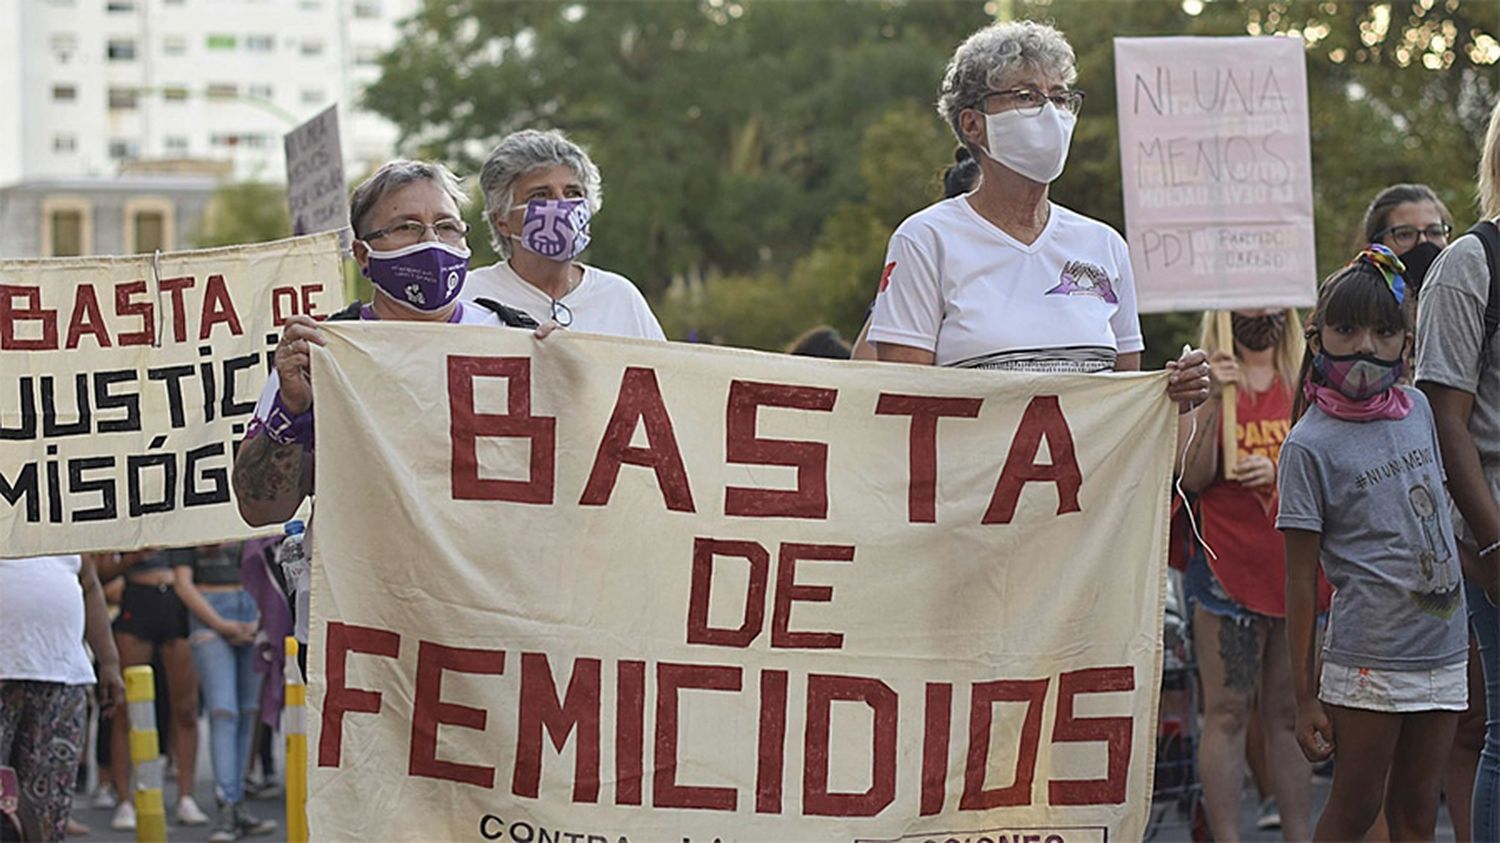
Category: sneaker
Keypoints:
(267, 788)
(76, 829)
(124, 818)
(103, 798)
(1269, 816)
(225, 830)
(188, 812)
(248, 825)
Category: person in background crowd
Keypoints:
(1003, 278)
(1362, 495)
(263, 578)
(49, 606)
(223, 626)
(1458, 368)
(821, 341)
(1238, 594)
(153, 621)
(540, 192)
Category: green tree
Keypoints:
(244, 212)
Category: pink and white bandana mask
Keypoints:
(556, 229)
(425, 276)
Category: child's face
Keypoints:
(1385, 343)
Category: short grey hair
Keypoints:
(987, 58)
(397, 174)
(525, 152)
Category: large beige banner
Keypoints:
(125, 383)
(590, 589)
(1216, 166)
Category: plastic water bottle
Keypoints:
(291, 554)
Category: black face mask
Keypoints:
(1258, 333)
(1417, 260)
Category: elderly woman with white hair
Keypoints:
(540, 192)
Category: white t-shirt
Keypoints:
(956, 285)
(41, 621)
(602, 303)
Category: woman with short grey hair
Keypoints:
(541, 190)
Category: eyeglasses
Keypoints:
(411, 231)
(1405, 236)
(1029, 101)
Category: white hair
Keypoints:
(985, 60)
(396, 174)
(525, 152)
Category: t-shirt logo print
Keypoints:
(1081, 278)
(547, 224)
(1435, 561)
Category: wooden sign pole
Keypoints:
(1225, 330)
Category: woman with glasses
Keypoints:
(410, 241)
(1001, 277)
(1410, 220)
(540, 192)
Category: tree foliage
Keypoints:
(244, 212)
(757, 154)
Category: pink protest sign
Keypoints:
(1216, 167)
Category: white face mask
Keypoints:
(1036, 146)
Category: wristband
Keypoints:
(1488, 550)
(284, 428)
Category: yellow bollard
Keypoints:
(295, 723)
(150, 815)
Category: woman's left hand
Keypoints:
(1189, 382)
(1255, 471)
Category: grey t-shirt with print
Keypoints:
(1374, 490)
(1450, 348)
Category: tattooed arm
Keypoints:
(270, 480)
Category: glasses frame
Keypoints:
(426, 229)
(1070, 100)
(1417, 233)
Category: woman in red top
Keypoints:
(1239, 594)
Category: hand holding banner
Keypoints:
(744, 596)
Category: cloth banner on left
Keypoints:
(126, 381)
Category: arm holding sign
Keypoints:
(273, 469)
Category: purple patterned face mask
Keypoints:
(1358, 376)
(424, 276)
(556, 229)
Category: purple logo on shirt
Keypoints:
(1081, 278)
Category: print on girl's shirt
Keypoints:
(1434, 558)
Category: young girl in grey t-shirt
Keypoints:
(1361, 486)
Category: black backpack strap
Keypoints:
(1489, 237)
(349, 313)
(511, 316)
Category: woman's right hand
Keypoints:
(237, 633)
(1223, 369)
(1314, 731)
(293, 362)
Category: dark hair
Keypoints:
(1397, 194)
(821, 341)
(1355, 295)
(959, 178)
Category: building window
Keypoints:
(366, 56)
(66, 239)
(150, 232)
(174, 45)
(312, 96)
(221, 42)
(120, 49)
(64, 93)
(175, 143)
(312, 48)
(223, 91)
(64, 144)
(260, 43)
(123, 99)
(64, 45)
(224, 140)
(264, 92)
(119, 6)
(62, 4)
(310, 5)
(174, 93)
(367, 8)
(120, 149)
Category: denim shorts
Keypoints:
(1204, 589)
